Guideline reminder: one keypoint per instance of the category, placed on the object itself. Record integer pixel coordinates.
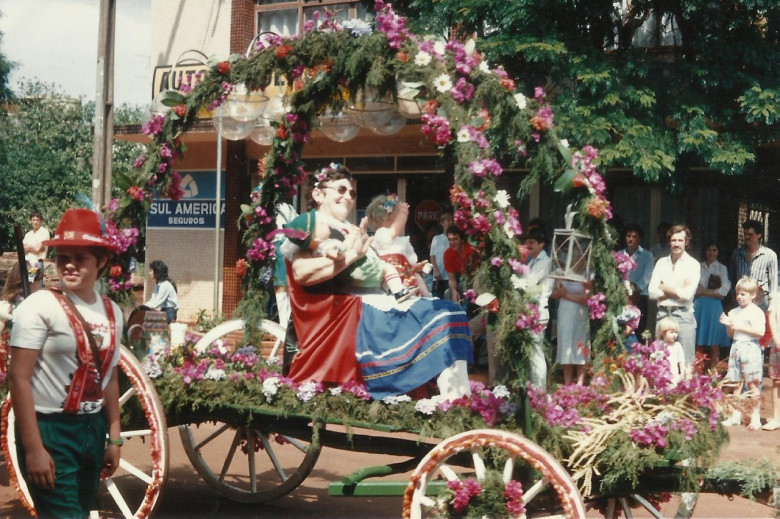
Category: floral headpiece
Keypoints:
(321, 174)
(390, 203)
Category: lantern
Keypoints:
(571, 250)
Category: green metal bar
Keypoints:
(380, 489)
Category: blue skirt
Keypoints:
(401, 349)
(709, 331)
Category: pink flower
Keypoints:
(154, 125)
(597, 306)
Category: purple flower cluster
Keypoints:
(261, 249)
(122, 239)
(652, 433)
(463, 492)
(482, 167)
(530, 320)
(625, 263)
(513, 495)
(462, 91)
(563, 408)
(597, 306)
(389, 23)
(436, 128)
(154, 125)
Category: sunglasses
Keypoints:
(343, 190)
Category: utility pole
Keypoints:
(104, 107)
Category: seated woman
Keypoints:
(350, 333)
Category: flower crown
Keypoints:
(390, 203)
(321, 174)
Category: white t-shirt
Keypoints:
(384, 243)
(750, 315)
(676, 357)
(40, 323)
(36, 238)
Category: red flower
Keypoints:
(485, 116)
(430, 106)
(223, 67)
(508, 84)
(281, 133)
(241, 267)
(136, 193)
(116, 271)
(180, 110)
(539, 123)
(578, 181)
(283, 50)
(403, 57)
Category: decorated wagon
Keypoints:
(505, 451)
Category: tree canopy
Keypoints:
(658, 85)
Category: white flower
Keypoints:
(484, 67)
(152, 367)
(425, 406)
(335, 391)
(443, 83)
(463, 135)
(470, 46)
(501, 391)
(307, 391)
(270, 387)
(509, 230)
(565, 143)
(422, 59)
(396, 399)
(518, 283)
(521, 101)
(357, 27)
(439, 47)
(501, 199)
(215, 373)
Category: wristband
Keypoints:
(116, 441)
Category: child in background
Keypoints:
(387, 217)
(745, 324)
(774, 362)
(667, 331)
(629, 318)
(311, 232)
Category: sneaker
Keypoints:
(406, 293)
(771, 425)
(734, 419)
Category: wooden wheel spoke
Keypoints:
(231, 452)
(118, 499)
(448, 473)
(303, 447)
(135, 471)
(211, 437)
(535, 489)
(127, 395)
(269, 450)
(250, 451)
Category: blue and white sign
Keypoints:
(197, 207)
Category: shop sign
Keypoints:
(197, 207)
(425, 212)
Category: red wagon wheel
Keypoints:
(521, 458)
(134, 490)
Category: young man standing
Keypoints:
(459, 258)
(34, 250)
(540, 264)
(439, 244)
(673, 285)
(644, 268)
(756, 261)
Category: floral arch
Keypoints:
(470, 111)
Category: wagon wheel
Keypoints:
(518, 458)
(250, 464)
(134, 489)
(623, 506)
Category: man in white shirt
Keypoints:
(539, 263)
(673, 284)
(34, 249)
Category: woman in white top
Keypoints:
(164, 296)
(713, 286)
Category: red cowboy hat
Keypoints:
(80, 227)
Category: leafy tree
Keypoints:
(658, 86)
(6, 66)
(47, 163)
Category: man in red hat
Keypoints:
(63, 377)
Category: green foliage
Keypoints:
(6, 66)
(710, 101)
